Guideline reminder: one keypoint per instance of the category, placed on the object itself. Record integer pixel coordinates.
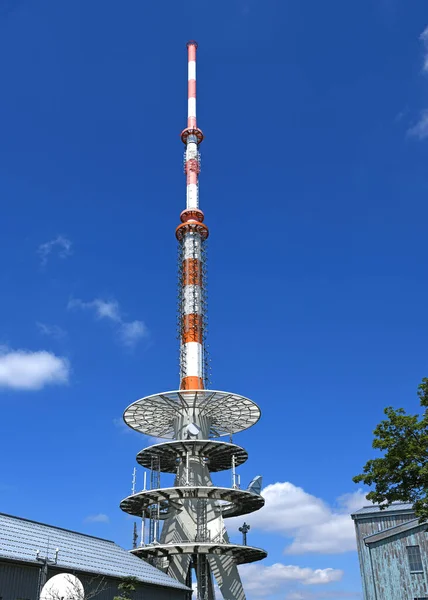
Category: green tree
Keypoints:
(401, 474)
(127, 588)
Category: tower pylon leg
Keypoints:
(204, 578)
(227, 577)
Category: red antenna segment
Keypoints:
(191, 235)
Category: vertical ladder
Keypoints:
(203, 577)
(201, 521)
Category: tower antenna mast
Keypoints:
(191, 235)
(186, 533)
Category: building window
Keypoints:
(415, 559)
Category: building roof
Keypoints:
(20, 539)
(395, 507)
(408, 526)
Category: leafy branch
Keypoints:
(401, 474)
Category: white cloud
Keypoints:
(99, 518)
(263, 581)
(313, 525)
(424, 39)
(25, 370)
(151, 441)
(120, 424)
(53, 331)
(420, 129)
(61, 243)
(353, 501)
(128, 332)
(104, 309)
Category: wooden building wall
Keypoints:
(19, 581)
(384, 565)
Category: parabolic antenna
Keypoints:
(63, 587)
(193, 429)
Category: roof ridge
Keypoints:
(55, 527)
(377, 509)
(396, 503)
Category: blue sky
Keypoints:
(314, 186)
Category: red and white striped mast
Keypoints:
(186, 521)
(191, 235)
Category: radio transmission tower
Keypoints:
(186, 536)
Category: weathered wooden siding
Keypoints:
(384, 565)
(20, 582)
(394, 581)
(367, 526)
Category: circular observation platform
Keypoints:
(241, 554)
(226, 412)
(237, 502)
(218, 456)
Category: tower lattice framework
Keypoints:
(183, 529)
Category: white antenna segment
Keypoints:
(187, 468)
(235, 484)
(134, 480)
(143, 532)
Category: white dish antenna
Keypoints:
(63, 587)
(193, 429)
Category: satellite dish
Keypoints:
(255, 485)
(193, 429)
(63, 587)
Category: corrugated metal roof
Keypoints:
(394, 507)
(20, 539)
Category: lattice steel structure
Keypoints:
(186, 532)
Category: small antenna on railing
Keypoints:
(244, 530)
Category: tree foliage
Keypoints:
(401, 474)
(127, 588)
